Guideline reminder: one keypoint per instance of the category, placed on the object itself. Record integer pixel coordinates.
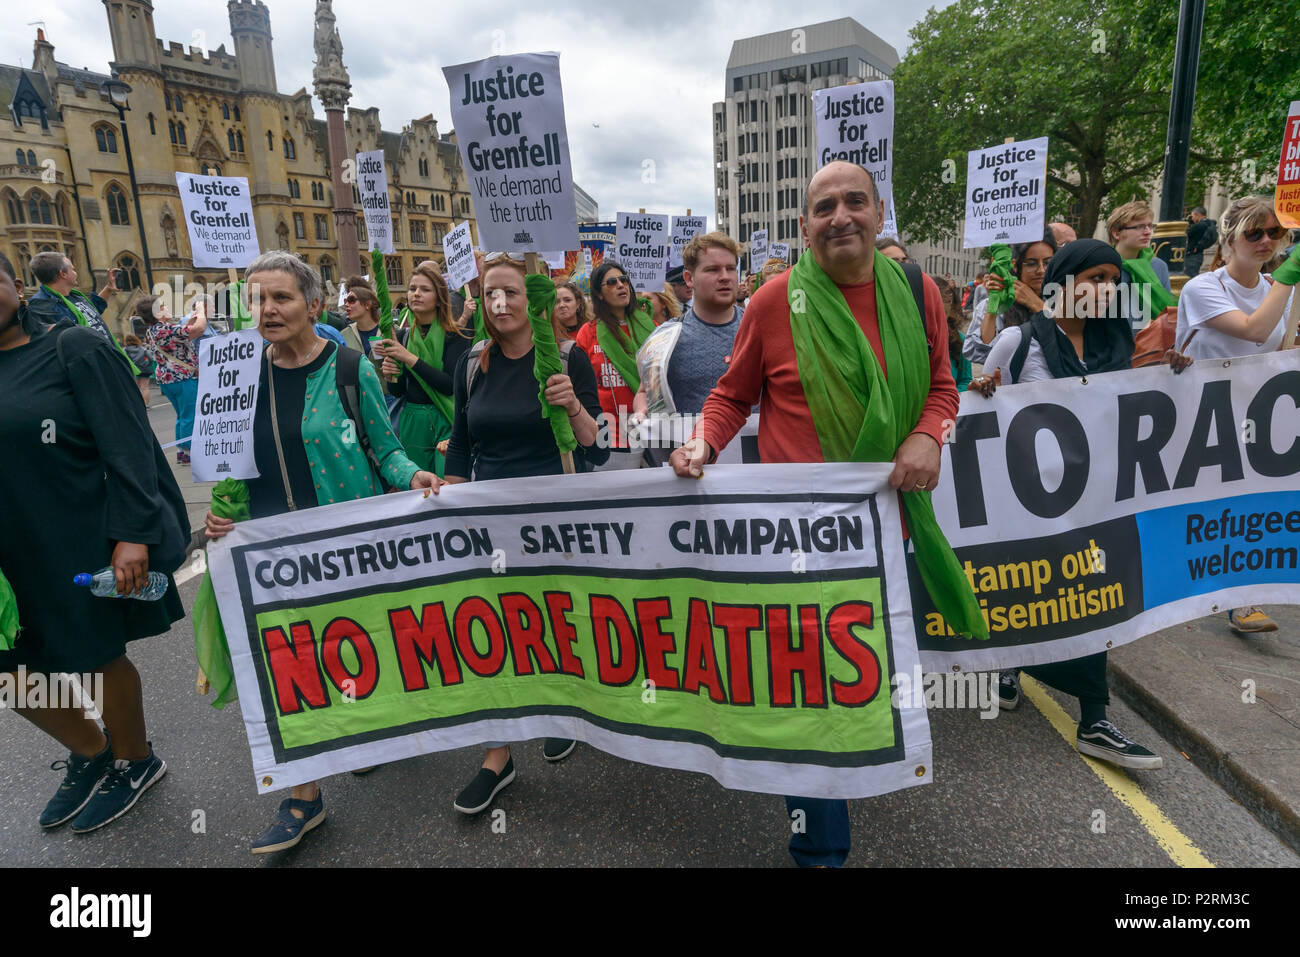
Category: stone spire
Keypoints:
(330, 76)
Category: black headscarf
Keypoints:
(1107, 343)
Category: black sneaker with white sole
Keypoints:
(78, 787)
(122, 785)
(1105, 742)
(485, 786)
(1009, 690)
(557, 749)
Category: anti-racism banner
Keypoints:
(757, 249)
(1089, 512)
(459, 250)
(856, 123)
(685, 228)
(229, 367)
(780, 251)
(1006, 193)
(372, 184)
(643, 249)
(219, 218)
(747, 626)
(508, 113)
(1286, 197)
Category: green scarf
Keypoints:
(480, 330)
(615, 344)
(1151, 293)
(862, 416)
(240, 317)
(8, 615)
(81, 320)
(381, 293)
(1000, 266)
(229, 500)
(429, 348)
(546, 356)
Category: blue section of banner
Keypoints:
(1203, 547)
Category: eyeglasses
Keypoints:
(612, 281)
(1139, 226)
(1255, 235)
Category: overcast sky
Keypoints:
(639, 80)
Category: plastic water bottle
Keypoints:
(103, 584)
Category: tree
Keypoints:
(1093, 78)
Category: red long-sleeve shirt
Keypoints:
(763, 366)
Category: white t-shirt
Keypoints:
(1212, 294)
(1004, 347)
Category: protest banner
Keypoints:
(508, 113)
(1286, 197)
(685, 228)
(747, 627)
(757, 249)
(461, 265)
(372, 184)
(1006, 193)
(643, 249)
(219, 218)
(1090, 512)
(554, 260)
(229, 368)
(855, 123)
(780, 251)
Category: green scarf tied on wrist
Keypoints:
(8, 615)
(428, 346)
(862, 416)
(1152, 296)
(546, 356)
(229, 500)
(1288, 274)
(621, 352)
(81, 320)
(1000, 266)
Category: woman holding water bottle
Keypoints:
(89, 490)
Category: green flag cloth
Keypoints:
(621, 352)
(862, 416)
(229, 500)
(81, 320)
(480, 329)
(1288, 274)
(1000, 266)
(1152, 295)
(8, 615)
(546, 355)
(240, 317)
(428, 346)
(381, 293)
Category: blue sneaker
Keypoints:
(122, 785)
(82, 774)
(286, 830)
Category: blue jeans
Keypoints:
(183, 395)
(824, 838)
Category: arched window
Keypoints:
(270, 140)
(225, 111)
(22, 160)
(153, 130)
(116, 200)
(46, 214)
(128, 276)
(179, 107)
(326, 269)
(61, 211)
(33, 209)
(230, 140)
(167, 99)
(31, 159)
(180, 133)
(290, 151)
(239, 141)
(237, 119)
(106, 139)
(16, 214)
(171, 131)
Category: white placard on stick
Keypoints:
(780, 251)
(642, 243)
(685, 228)
(757, 249)
(219, 217)
(554, 260)
(508, 113)
(222, 443)
(1006, 193)
(461, 265)
(372, 184)
(856, 123)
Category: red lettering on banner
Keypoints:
(358, 685)
(785, 661)
(421, 642)
(839, 628)
(656, 642)
(527, 631)
(700, 668)
(558, 606)
(607, 612)
(738, 622)
(294, 671)
(479, 609)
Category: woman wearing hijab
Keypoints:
(95, 493)
(1075, 338)
(1028, 264)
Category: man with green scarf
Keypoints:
(59, 301)
(846, 371)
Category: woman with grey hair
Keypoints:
(305, 454)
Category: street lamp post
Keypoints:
(116, 92)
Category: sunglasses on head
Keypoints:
(491, 258)
(1255, 235)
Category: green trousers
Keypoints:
(420, 429)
